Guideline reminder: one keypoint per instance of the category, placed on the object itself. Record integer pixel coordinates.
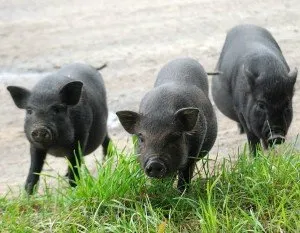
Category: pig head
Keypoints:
(266, 111)
(46, 113)
(162, 141)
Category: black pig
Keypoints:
(176, 124)
(63, 109)
(256, 86)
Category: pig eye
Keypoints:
(58, 109)
(29, 111)
(140, 138)
(261, 105)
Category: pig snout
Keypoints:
(41, 135)
(155, 168)
(276, 139)
(275, 136)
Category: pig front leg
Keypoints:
(253, 140)
(185, 175)
(75, 161)
(195, 144)
(73, 168)
(37, 161)
(241, 128)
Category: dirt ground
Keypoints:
(135, 39)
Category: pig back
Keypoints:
(184, 71)
(246, 46)
(243, 42)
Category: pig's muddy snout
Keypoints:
(155, 168)
(41, 135)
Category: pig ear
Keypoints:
(249, 76)
(128, 120)
(186, 118)
(20, 95)
(293, 75)
(71, 92)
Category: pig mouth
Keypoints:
(155, 168)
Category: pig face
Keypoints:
(47, 120)
(269, 109)
(162, 144)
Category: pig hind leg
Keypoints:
(75, 162)
(74, 166)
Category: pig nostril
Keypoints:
(148, 169)
(34, 134)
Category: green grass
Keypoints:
(249, 195)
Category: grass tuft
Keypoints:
(259, 194)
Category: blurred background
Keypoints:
(135, 39)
